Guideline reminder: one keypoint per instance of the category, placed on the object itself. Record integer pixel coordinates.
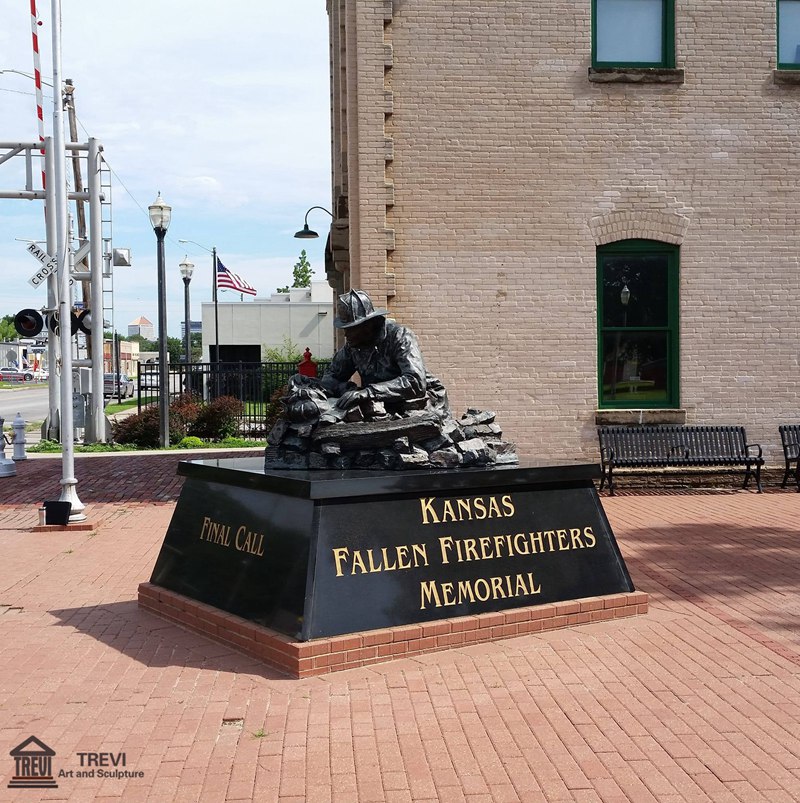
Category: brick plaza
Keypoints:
(698, 700)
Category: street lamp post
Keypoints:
(187, 269)
(160, 214)
(213, 252)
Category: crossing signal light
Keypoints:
(85, 321)
(55, 328)
(28, 323)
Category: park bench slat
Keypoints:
(678, 446)
(790, 441)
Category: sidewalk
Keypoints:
(699, 700)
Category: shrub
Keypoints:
(143, 429)
(190, 442)
(218, 419)
(139, 429)
(183, 412)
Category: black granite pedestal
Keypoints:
(314, 554)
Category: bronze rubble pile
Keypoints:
(369, 438)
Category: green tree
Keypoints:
(174, 349)
(288, 352)
(301, 273)
(7, 330)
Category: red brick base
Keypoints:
(317, 657)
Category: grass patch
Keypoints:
(54, 447)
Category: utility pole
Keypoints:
(80, 212)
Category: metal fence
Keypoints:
(252, 383)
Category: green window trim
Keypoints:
(785, 6)
(667, 41)
(638, 353)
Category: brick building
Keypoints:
(586, 210)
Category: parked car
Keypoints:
(120, 386)
(41, 374)
(9, 374)
(148, 380)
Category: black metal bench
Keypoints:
(677, 446)
(790, 440)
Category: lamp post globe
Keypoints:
(160, 214)
(187, 268)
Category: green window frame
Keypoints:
(633, 33)
(638, 324)
(788, 34)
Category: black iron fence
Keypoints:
(252, 383)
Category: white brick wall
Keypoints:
(478, 140)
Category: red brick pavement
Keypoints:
(697, 701)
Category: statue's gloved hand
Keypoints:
(351, 398)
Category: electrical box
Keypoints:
(82, 380)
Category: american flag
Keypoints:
(227, 280)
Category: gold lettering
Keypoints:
(206, 525)
(445, 545)
(589, 535)
(470, 553)
(494, 508)
(497, 588)
(402, 557)
(525, 549)
(465, 591)
(427, 508)
(358, 563)
(447, 594)
(238, 533)
(419, 553)
(386, 565)
(448, 514)
(480, 508)
(372, 566)
(464, 506)
(340, 556)
(562, 540)
(575, 535)
(429, 593)
(534, 589)
(550, 534)
(498, 544)
(487, 589)
(486, 548)
(536, 539)
(508, 504)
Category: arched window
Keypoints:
(637, 300)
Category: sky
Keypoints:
(222, 108)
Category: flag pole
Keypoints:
(216, 308)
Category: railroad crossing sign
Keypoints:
(49, 265)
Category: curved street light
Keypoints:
(308, 234)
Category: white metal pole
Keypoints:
(53, 349)
(69, 491)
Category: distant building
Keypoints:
(303, 315)
(195, 327)
(141, 326)
(127, 357)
